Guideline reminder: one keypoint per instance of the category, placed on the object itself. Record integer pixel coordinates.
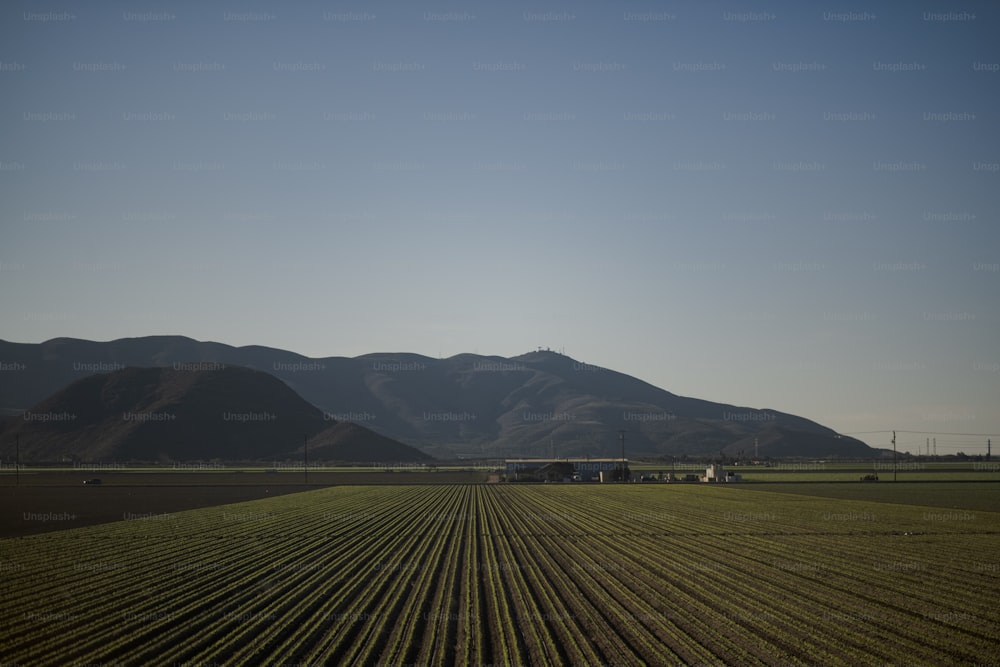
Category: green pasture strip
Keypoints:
(972, 496)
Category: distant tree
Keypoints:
(559, 471)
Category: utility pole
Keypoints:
(17, 460)
(894, 456)
(621, 436)
(756, 449)
(935, 446)
(305, 456)
(987, 449)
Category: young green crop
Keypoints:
(510, 574)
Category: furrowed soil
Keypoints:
(460, 574)
(43, 502)
(953, 495)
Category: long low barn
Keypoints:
(587, 469)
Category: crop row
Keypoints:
(496, 574)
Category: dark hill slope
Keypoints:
(779, 442)
(163, 414)
(467, 405)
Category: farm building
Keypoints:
(557, 470)
(717, 473)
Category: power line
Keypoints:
(976, 435)
(959, 441)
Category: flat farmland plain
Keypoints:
(951, 495)
(45, 501)
(505, 574)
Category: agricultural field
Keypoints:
(828, 471)
(983, 496)
(291, 475)
(46, 500)
(470, 574)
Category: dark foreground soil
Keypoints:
(28, 510)
(50, 501)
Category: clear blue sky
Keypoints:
(775, 204)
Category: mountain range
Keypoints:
(168, 415)
(537, 404)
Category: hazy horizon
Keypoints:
(780, 206)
